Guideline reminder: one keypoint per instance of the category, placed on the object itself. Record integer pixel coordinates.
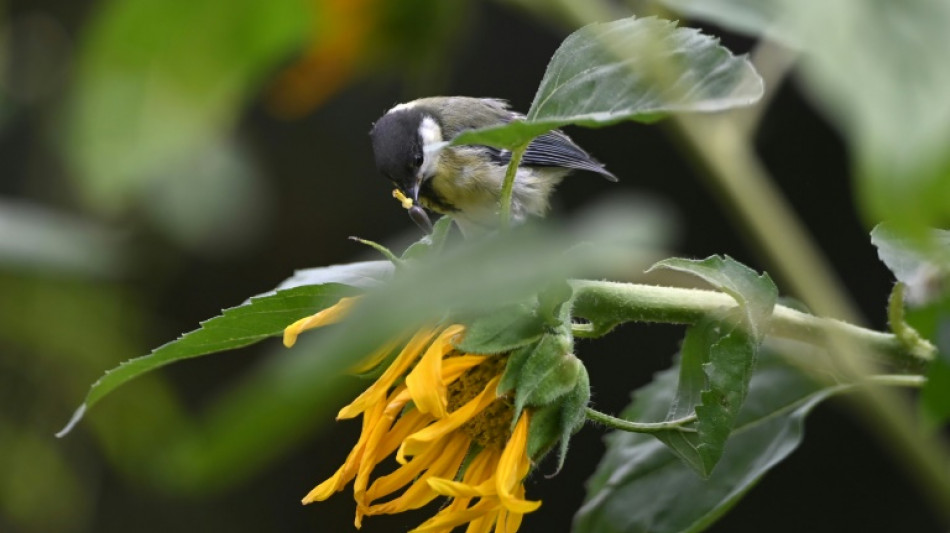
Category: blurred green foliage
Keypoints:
(133, 110)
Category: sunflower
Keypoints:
(437, 412)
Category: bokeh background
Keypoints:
(161, 160)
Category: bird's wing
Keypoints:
(555, 149)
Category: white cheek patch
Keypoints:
(432, 144)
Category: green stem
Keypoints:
(607, 304)
(641, 427)
(904, 332)
(509, 185)
(387, 253)
(896, 380)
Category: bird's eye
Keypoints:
(417, 160)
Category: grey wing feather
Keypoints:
(555, 149)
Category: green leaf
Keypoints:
(508, 269)
(692, 382)
(503, 330)
(255, 320)
(852, 51)
(430, 244)
(158, 82)
(898, 132)
(755, 294)
(935, 397)
(362, 274)
(933, 321)
(641, 486)
(630, 69)
(717, 365)
(752, 17)
(718, 357)
(922, 264)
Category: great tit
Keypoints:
(464, 182)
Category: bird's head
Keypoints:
(406, 143)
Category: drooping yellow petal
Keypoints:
(330, 315)
(443, 461)
(418, 441)
(484, 523)
(477, 482)
(426, 382)
(409, 423)
(374, 358)
(454, 367)
(511, 520)
(326, 489)
(377, 391)
(459, 489)
(446, 520)
(480, 470)
(513, 467)
(351, 465)
(372, 449)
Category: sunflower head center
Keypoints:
(491, 427)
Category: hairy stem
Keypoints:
(606, 304)
(640, 427)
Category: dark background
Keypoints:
(321, 187)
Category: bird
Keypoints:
(410, 147)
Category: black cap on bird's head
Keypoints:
(398, 148)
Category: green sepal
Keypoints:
(432, 243)
(503, 330)
(548, 373)
(551, 302)
(555, 423)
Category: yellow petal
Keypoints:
(458, 489)
(410, 422)
(513, 467)
(446, 520)
(425, 382)
(454, 367)
(407, 473)
(375, 358)
(480, 470)
(508, 521)
(327, 488)
(418, 441)
(352, 463)
(443, 460)
(330, 315)
(478, 480)
(372, 451)
(484, 523)
(377, 391)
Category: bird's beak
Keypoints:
(413, 191)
